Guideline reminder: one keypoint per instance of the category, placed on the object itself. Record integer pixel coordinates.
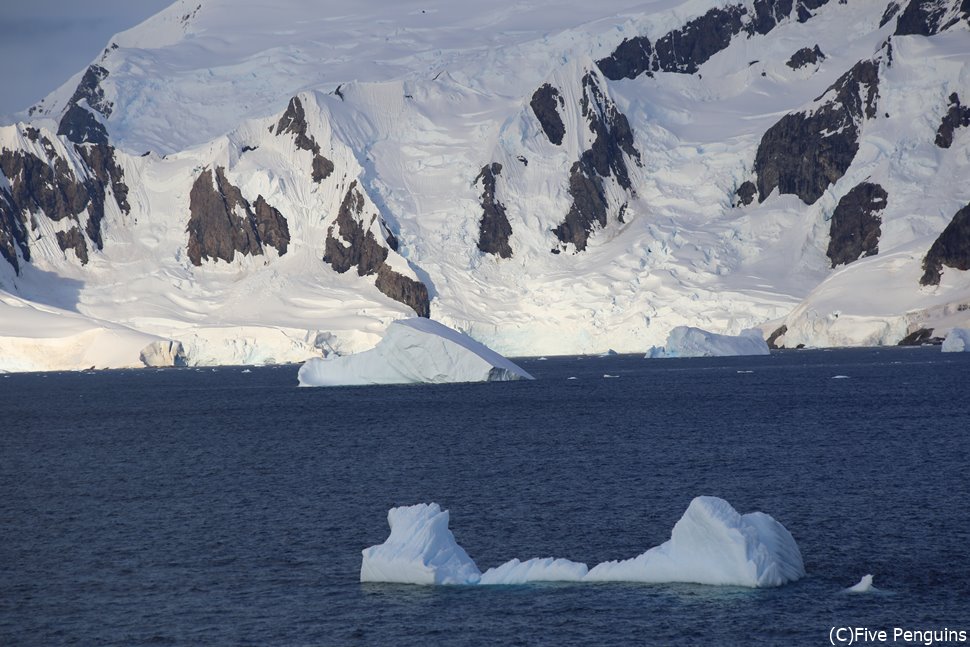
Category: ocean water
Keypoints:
(229, 507)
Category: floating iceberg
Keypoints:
(685, 341)
(420, 550)
(541, 569)
(711, 544)
(414, 350)
(864, 586)
(957, 341)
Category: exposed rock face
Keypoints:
(805, 56)
(494, 230)
(772, 340)
(920, 337)
(855, 226)
(606, 157)
(50, 185)
(684, 50)
(746, 193)
(929, 17)
(891, 10)
(951, 249)
(271, 227)
(805, 152)
(78, 123)
(958, 116)
(546, 102)
(222, 222)
(358, 247)
(74, 239)
(293, 122)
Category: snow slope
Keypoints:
(401, 108)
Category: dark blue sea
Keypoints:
(229, 507)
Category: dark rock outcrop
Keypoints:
(546, 102)
(79, 123)
(958, 116)
(891, 10)
(805, 56)
(293, 122)
(746, 193)
(612, 145)
(951, 249)
(494, 229)
(50, 185)
(73, 239)
(685, 49)
(855, 226)
(930, 17)
(271, 227)
(921, 337)
(222, 222)
(358, 248)
(772, 340)
(805, 152)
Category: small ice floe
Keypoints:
(864, 586)
(745, 372)
(542, 359)
(840, 377)
(608, 375)
(571, 377)
(246, 370)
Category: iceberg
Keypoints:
(420, 550)
(710, 544)
(412, 351)
(686, 341)
(957, 341)
(713, 544)
(541, 569)
(864, 586)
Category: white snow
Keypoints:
(539, 569)
(686, 341)
(420, 550)
(432, 91)
(864, 586)
(710, 544)
(957, 341)
(414, 351)
(713, 544)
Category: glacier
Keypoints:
(711, 544)
(414, 351)
(957, 341)
(687, 341)
(375, 169)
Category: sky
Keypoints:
(51, 40)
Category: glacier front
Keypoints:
(710, 544)
(414, 351)
(687, 341)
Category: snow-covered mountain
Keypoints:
(264, 182)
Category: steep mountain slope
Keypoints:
(548, 177)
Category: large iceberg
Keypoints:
(686, 341)
(957, 341)
(420, 550)
(414, 350)
(711, 544)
